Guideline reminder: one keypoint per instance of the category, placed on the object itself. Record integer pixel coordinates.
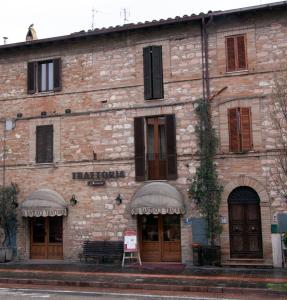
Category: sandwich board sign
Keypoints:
(131, 246)
(130, 241)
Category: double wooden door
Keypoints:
(46, 238)
(245, 230)
(160, 238)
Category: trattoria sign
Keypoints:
(98, 178)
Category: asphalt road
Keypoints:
(17, 293)
(35, 294)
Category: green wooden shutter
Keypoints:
(44, 144)
(31, 78)
(147, 66)
(171, 147)
(139, 137)
(157, 72)
(57, 74)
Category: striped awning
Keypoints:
(43, 203)
(157, 198)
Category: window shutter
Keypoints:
(245, 130)
(230, 52)
(241, 52)
(157, 72)
(147, 64)
(233, 123)
(139, 137)
(57, 74)
(44, 144)
(31, 78)
(171, 147)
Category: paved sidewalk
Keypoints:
(166, 277)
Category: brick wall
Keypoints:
(102, 84)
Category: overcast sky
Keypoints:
(55, 17)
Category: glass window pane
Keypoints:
(38, 228)
(162, 142)
(43, 78)
(55, 230)
(50, 76)
(150, 228)
(171, 228)
(150, 142)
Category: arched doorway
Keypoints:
(245, 223)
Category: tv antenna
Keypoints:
(125, 13)
(5, 38)
(94, 12)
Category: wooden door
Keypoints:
(245, 230)
(156, 141)
(46, 238)
(160, 238)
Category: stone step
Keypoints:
(247, 263)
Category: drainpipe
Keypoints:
(4, 150)
(205, 21)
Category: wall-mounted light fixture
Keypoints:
(19, 115)
(67, 111)
(43, 113)
(119, 199)
(73, 200)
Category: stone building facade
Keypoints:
(74, 100)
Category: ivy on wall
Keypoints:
(205, 189)
(8, 206)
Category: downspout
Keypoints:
(4, 154)
(4, 151)
(204, 53)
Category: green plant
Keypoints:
(285, 239)
(8, 205)
(205, 189)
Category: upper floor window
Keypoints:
(153, 73)
(155, 148)
(44, 144)
(44, 76)
(236, 58)
(240, 134)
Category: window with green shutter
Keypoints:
(44, 144)
(153, 72)
(44, 76)
(155, 148)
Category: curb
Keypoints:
(145, 286)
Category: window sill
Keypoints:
(45, 165)
(43, 94)
(236, 72)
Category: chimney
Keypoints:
(31, 34)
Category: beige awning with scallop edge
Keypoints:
(157, 198)
(44, 203)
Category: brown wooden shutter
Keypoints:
(233, 124)
(241, 52)
(245, 128)
(171, 147)
(230, 53)
(31, 78)
(44, 144)
(139, 137)
(147, 65)
(157, 72)
(57, 74)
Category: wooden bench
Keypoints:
(102, 251)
